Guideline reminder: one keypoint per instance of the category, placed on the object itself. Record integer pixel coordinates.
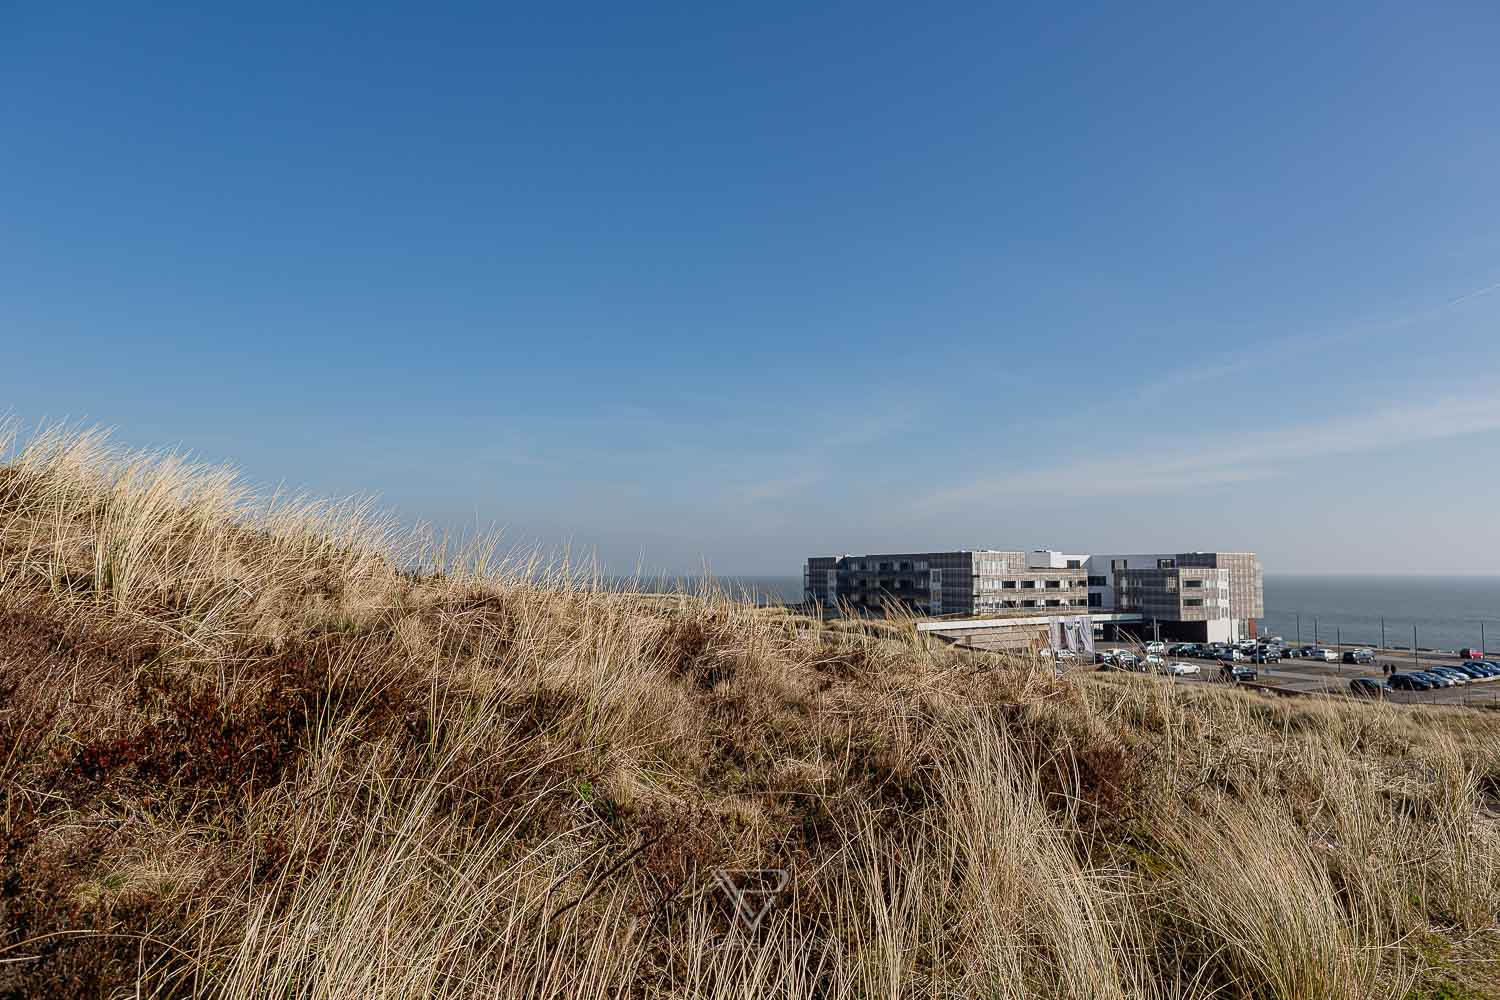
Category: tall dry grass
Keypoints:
(281, 748)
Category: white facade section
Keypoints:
(1052, 559)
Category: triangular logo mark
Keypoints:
(753, 892)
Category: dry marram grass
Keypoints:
(280, 748)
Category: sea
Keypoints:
(1448, 612)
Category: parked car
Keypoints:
(1453, 674)
(1303, 652)
(1181, 669)
(1155, 660)
(1468, 653)
(1368, 687)
(1436, 680)
(1359, 656)
(1471, 671)
(1235, 674)
(1156, 647)
(1409, 682)
(1267, 656)
(1492, 668)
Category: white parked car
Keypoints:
(1331, 655)
(1156, 647)
(1181, 669)
(1152, 660)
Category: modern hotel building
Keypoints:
(1195, 596)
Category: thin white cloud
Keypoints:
(1282, 350)
(1475, 294)
(1237, 457)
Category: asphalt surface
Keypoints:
(1313, 676)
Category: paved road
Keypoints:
(1316, 676)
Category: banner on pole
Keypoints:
(1076, 634)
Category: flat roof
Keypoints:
(967, 624)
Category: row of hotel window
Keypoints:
(985, 584)
(992, 604)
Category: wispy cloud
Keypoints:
(1282, 350)
(1238, 457)
(1475, 294)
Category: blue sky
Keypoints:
(686, 285)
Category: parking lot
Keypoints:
(1309, 676)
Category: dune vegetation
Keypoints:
(269, 747)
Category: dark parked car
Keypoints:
(1471, 671)
(1359, 656)
(1409, 682)
(1234, 674)
(1368, 687)
(1436, 680)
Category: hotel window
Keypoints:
(1193, 602)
